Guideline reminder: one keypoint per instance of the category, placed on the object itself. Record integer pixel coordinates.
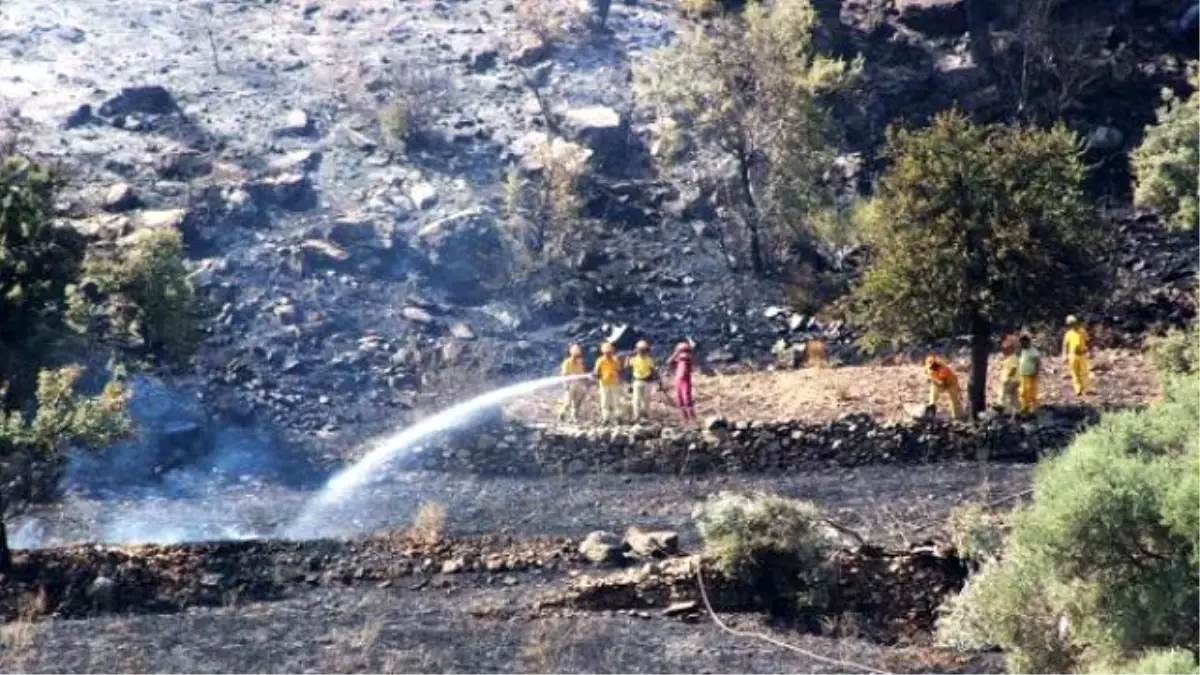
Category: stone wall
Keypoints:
(517, 449)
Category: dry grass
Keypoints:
(544, 647)
(887, 392)
(429, 524)
(549, 20)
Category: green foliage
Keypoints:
(1154, 662)
(747, 91)
(976, 532)
(149, 291)
(37, 258)
(1176, 356)
(544, 206)
(64, 417)
(977, 221)
(1167, 161)
(765, 538)
(1104, 564)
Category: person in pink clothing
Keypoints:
(682, 358)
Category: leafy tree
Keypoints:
(746, 91)
(1167, 161)
(37, 261)
(62, 418)
(976, 229)
(1103, 566)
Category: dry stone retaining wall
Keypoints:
(856, 440)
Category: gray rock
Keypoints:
(604, 131)
(601, 547)
(1105, 139)
(483, 61)
(938, 18)
(417, 314)
(681, 608)
(462, 331)
(318, 253)
(297, 123)
(120, 197)
(423, 195)
(530, 51)
(462, 252)
(102, 591)
(146, 100)
(652, 544)
(297, 160)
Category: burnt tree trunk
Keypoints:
(981, 347)
(5, 553)
(752, 213)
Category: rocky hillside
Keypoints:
(347, 270)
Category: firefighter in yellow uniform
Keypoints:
(576, 390)
(1075, 350)
(1029, 366)
(942, 380)
(1010, 382)
(608, 376)
(641, 367)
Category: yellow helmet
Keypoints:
(575, 350)
(930, 361)
(642, 345)
(1072, 320)
(607, 348)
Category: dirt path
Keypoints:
(1122, 378)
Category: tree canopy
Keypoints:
(1167, 161)
(975, 229)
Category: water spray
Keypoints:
(346, 482)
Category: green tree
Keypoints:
(37, 262)
(977, 229)
(1167, 161)
(746, 90)
(62, 418)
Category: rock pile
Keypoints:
(891, 594)
(855, 440)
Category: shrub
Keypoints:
(546, 20)
(149, 294)
(1104, 564)
(1153, 662)
(544, 206)
(1166, 163)
(767, 541)
(1175, 354)
(32, 448)
(411, 102)
(976, 532)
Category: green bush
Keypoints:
(149, 294)
(1153, 662)
(976, 532)
(1166, 163)
(1104, 564)
(776, 544)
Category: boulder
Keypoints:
(462, 331)
(601, 548)
(145, 100)
(423, 195)
(659, 544)
(936, 18)
(162, 219)
(296, 123)
(461, 253)
(603, 130)
(120, 197)
(321, 254)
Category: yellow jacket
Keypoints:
(608, 370)
(1075, 343)
(941, 375)
(642, 366)
(571, 366)
(1008, 369)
